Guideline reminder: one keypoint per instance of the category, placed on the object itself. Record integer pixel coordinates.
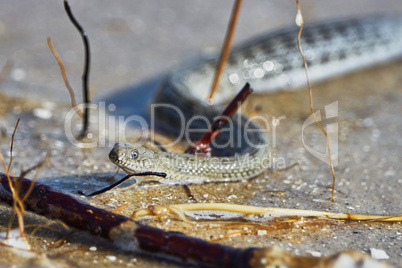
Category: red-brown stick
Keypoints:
(45, 201)
(53, 204)
(200, 146)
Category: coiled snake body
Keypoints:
(268, 63)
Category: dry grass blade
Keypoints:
(255, 228)
(15, 201)
(121, 208)
(18, 202)
(12, 144)
(37, 168)
(300, 17)
(63, 73)
(48, 226)
(270, 212)
(226, 48)
(18, 207)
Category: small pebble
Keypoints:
(316, 254)
(111, 258)
(378, 254)
(42, 113)
(261, 232)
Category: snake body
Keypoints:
(268, 63)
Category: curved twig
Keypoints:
(64, 75)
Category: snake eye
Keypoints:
(134, 154)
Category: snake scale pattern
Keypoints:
(270, 62)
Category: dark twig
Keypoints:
(85, 74)
(202, 146)
(159, 174)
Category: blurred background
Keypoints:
(133, 41)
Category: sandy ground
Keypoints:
(134, 43)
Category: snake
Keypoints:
(269, 63)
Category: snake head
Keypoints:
(133, 158)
